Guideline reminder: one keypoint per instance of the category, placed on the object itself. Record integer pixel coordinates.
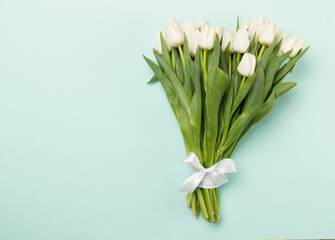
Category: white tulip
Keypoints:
(280, 35)
(247, 65)
(268, 34)
(186, 24)
(207, 36)
(219, 30)
(173, 34)
(159, 45)
(201, 24)
(246, 24)
(227, 37)
(241, 41)
(192, 39)
(256, 26)
(295, 43)
(256, 31)
(258, 20)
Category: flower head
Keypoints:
(173, 33)
(293, 43)
(247, 65)
(241, 41)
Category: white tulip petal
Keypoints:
(241, 41)
(247, 65)
(246, 24)
(211, 38)
(201, 24)
(192, 40)
(203, 37)
(288, 44)
(174, 34)
(280, 35)
(187, 24)
(219, 30)
(268, 33)
(227, 37)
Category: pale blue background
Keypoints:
(89, 151)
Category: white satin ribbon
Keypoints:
(209, 178)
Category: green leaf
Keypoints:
(214, 60)
(275, 51)
(283, 88)
(165, 83)
(196, 105)
(181, 115)
(272, 70)
(179, 67)
(279, 90)
(165, 51)
(284, 70)
(266, 110)
(238, 23)
(253, 45)
(188, 86)
(243, 91)
(240, 123)
(236, 82)
(198, 57)
(153, 79)
(176, 85)
(224, 59)
(215, 92)
(256, 91)
(267, 54)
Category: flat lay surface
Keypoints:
(88, 150)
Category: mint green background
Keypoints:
(89, 151)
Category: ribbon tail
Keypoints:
(192, 182)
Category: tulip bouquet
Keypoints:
(219, 84)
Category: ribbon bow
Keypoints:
(209, 178)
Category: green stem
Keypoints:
(189, 199)
(229, 66)
(261, 52)
(173, 62)
(208, 204)
(238, 59)
(181, 56)
(204, 67)
(216, 206)
(243, 80)
(194, 203)
(202, 203)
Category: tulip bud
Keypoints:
(268, 33)
(258, 20)
(219, 30)
(192, 39)
(173, 33)
(280, 35)
(227, 37)
(207, 36)
(241, 41)
(247, 65)
(256, 26)
(201, 24)
(159, 44)
(246, 24)
(295, 43)
(186, 24)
